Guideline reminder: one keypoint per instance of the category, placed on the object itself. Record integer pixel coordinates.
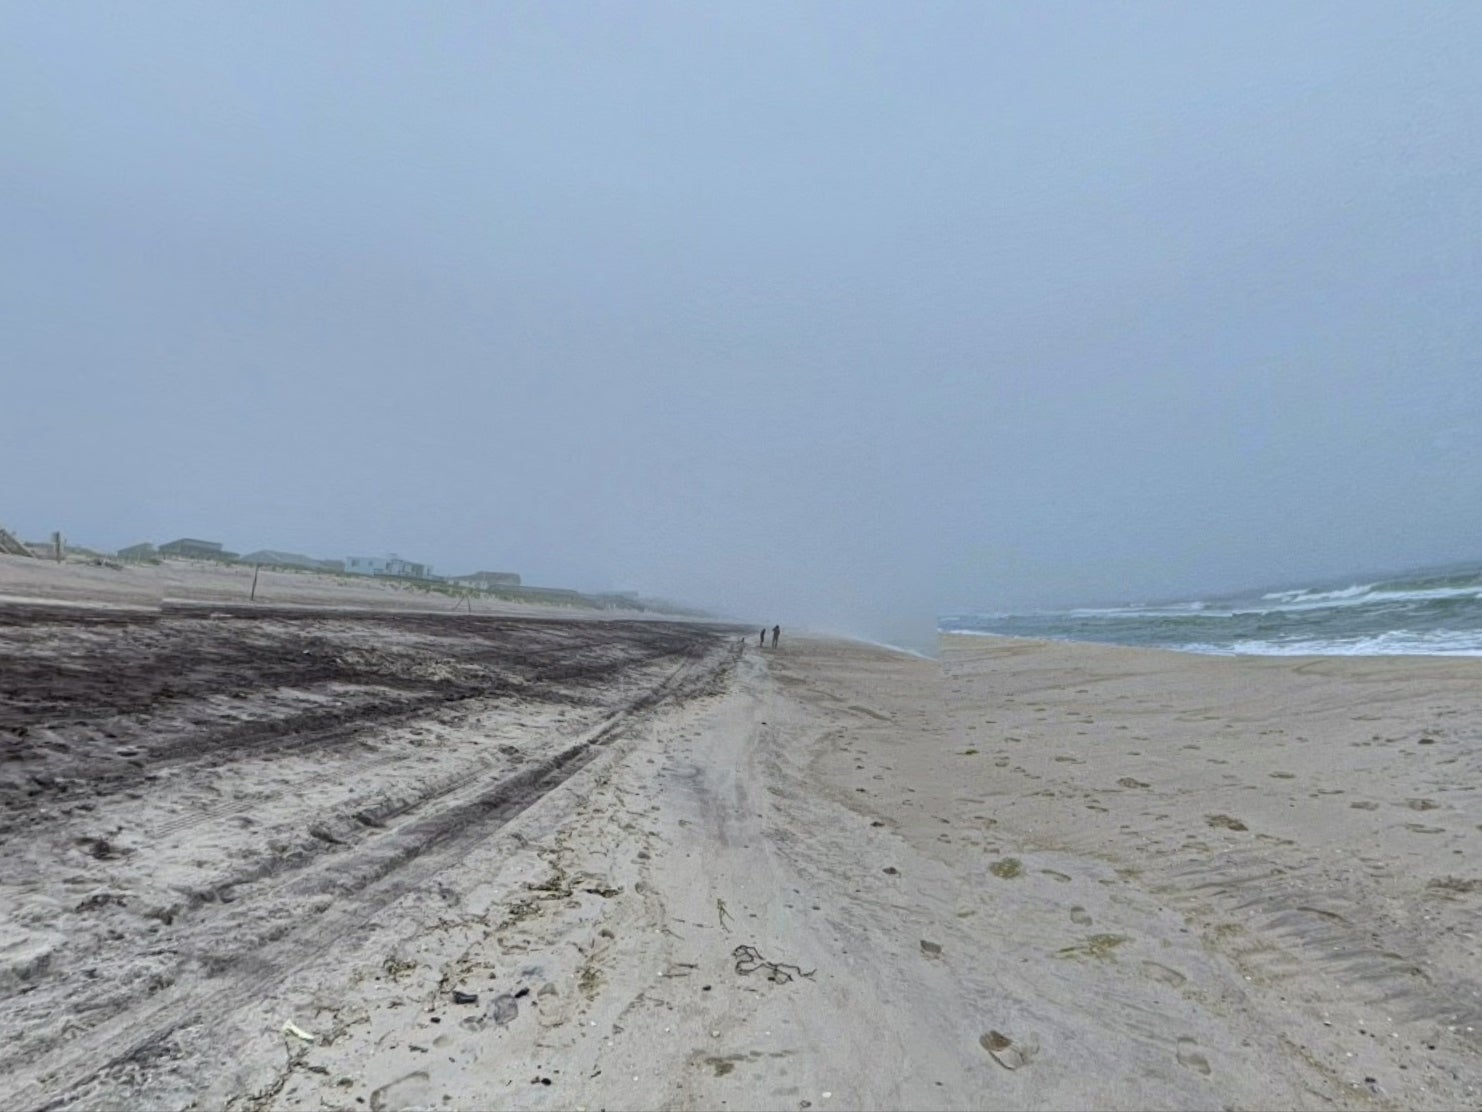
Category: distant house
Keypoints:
(551, 594)
(486, 580)
(392, 565)
(193, 549)
(144, 551)
(619, 600)
(273, 558)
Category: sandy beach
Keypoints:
(288, 859)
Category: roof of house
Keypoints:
(274, 556)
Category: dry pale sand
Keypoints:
(831, 876)
(1292, 846)
(97, 583)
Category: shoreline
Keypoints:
(1209, 650)
(1027, 874)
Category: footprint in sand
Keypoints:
(1080, 916)
(552, 1009)
(1189, 1056)
(1006, 1052)
(1163, 974)
(410, 1089)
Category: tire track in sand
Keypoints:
(385, 870)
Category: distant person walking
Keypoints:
(762, 638)
(776, 633)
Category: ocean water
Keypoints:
(1434, 612)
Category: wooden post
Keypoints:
(255, 569)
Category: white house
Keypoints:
(392, 565)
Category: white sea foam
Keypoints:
(1364, 596)
(1439, 642)
(1285, 602)
(900, 649)
(1305, 594)
(1165, 610)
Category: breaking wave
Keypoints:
(1432, 612)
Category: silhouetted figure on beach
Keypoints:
(761, 639)
(776, 633)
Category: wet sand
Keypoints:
(822, 876)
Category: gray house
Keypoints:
(194, 549)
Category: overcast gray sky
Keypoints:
(841, 313)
